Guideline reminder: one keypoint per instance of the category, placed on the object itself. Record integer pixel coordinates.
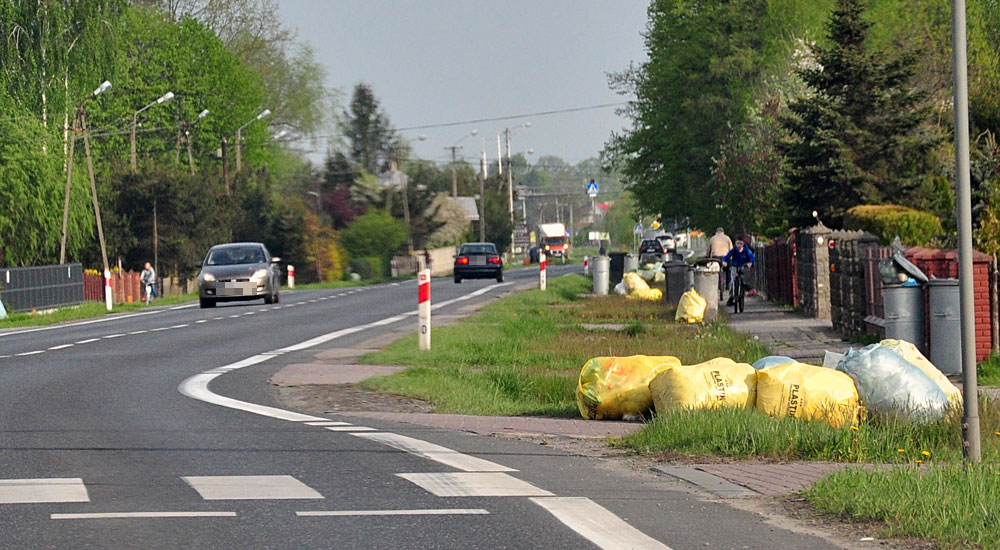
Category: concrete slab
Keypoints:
(298, 374)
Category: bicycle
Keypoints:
(739, 290)
(149, 292)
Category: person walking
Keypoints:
(719, 245)
(148, 280)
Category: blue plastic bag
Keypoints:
(771, 361)
(890, 386)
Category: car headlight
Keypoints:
(259, 274)
(207, 277)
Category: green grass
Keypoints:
(988, 371)
(748, 433)
(86, 310)
(523, 354)
(954, 505)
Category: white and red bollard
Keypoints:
(541, 271)
(424, 308)
(107, 289)
(393, 268)
(586, 266)
(291, 276)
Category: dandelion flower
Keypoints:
(925, 453)
(854, 428)
(900, 451)
(918, 461)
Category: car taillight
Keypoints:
(494, 260)
(463, 260)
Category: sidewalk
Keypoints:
(785, 331)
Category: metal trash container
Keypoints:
(706, 283)
(904, 314)
(617, 270)
(602, 266)
(677, 281)
(631, 263)
(946, 325)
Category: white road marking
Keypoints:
(182, 307)
(598, 525)
(233, 316)
(436, 453)
(249, 313)
(5, 356)
(217, 318)
(312, 301)
(23, 491)
(110, 336)
(131, 515)
(81, 323)
(350, 429)
(251, 487)
(29, 353)
(139, 332)
(181, 326)
(158, 329)
(63, 346)
(262, 309)
(474, 484)
(328, 423)
(201, 321)
(88, 340)
(426, 512)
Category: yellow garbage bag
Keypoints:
(720, 382)
(633, 281)
(652, 294)
(611, 387)
(808, 392)
(910, 352)
(691, 307)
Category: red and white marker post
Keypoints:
(424, 309)
(107, 289)
(541, 271)
(586, 266)
(291, 276)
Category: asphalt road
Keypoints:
(158, 430)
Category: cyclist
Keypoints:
(718, 246)
(148, 279)
(739, 256)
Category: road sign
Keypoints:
(592, 188)
(637, 229)
(521, 236)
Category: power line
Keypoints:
(512, 117)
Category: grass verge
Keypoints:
(988, 371)
(522, 354)
(86, 310)
(954, 505)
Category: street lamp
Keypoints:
(79, 122)
(454, 149)
(315, 194)
(135, 118)
(239, 140)
(510, 178)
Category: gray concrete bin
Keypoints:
(946, 325)
(631, 263)
(677, 281)
(601, 270)
(706, 283)
(904, 314)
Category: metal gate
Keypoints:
(29, 288)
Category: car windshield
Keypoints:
(235, 256)
(554, 240)
(478, 249)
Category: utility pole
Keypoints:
(482, 198)
(187, 141)
(225, 163)
(239, 147)
(963, 203)
(69, 179)
(93, 188)
(454, 174)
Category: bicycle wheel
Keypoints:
(737, 294)
(740, 296)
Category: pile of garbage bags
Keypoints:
(691, 308)
(635, 287)
(891, 379)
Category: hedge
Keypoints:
(914, 228)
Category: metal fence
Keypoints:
(43, 287)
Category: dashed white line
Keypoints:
(180, 326)
(29, 353)
(426, 512)
(158, 329)
(330, 423)
(139, 332)
(217, 318)
(233, 316)
(596, 524)
(201, 321)
(350, 429)
(131, 515)
(437, 453)
(110, 336)
(87, 341)
(64, 346)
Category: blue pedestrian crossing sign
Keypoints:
(638, 229)
(592, 188)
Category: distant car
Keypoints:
(238, 271)
(668, 242)
(650, 251)
(478, 261)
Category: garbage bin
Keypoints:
(706, 283)
(677, 280)
(946, 325)
(601, 267)
(617, 269)
(631, 263)
(904, 314)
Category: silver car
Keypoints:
(238, 271)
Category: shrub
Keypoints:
(368, 267)
(374, 234)
(887, 221)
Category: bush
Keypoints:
(369, 267)
(914, 228)
(376, 234)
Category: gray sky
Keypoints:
(440, 61)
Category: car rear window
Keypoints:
(235, 256)
(478, 249)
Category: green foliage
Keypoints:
(367, 130)
(369, 267)
(619, 220)
(915, 228)
(375, 234)
(498, 224)
(862, 135)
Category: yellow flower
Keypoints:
(996, 433)
(918, 461)
(900, 451)
(854, 428)
(925, 453)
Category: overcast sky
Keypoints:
(440, 61)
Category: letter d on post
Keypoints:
(541, 271)
(424, 309)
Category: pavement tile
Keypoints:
(491, 425)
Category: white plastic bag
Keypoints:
(890, 386)
(772, 361)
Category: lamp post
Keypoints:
(318, 208)
(319, 216)
(239, 138)
(510, 180)
(78, 122)
(135, 119)
(454, 149)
